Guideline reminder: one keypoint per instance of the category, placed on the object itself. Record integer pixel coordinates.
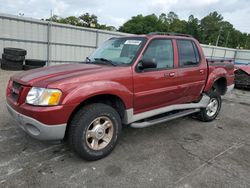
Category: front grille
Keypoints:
(15, 90)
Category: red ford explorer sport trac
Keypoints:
(139, 81)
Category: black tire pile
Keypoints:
(33, 64)
(242, 79)
(14, 58)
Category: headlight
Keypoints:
(43, 96)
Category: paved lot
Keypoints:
(182, 153)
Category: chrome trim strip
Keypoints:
(130, 117)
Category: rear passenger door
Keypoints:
(191, 72)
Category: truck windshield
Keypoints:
(117, 51)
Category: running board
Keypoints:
(163, 119)
(130, 117)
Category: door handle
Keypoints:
(171, 74)
(201, 71)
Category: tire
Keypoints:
(12, 62)
(15, 51)
(13, 57)
(35, 62)
(82, 124)
(209, 114)
(29, 67)
(10, 65)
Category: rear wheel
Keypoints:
(213, 108)
(94, 131)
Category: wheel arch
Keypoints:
(217, 80)
(220, 85)
(110, 99)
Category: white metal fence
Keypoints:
(56, 43)
(61, 43)
(215, 52)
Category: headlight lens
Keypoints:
(43, 96)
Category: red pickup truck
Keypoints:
(136, 80)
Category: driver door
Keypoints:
(158, 87)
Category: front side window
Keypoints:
(162, 51)
(119, 51)
(188, 53)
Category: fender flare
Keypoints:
(214, 76)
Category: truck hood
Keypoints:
(47, 75)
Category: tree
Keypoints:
(193, 28)
(163, 18)
(211, 27)
(72, 20)
(145, 24)
(88, 20)
(85, 20)
(178, 26)
(56, 18)
(172, 17)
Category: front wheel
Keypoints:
(213, 108)
(94, 131)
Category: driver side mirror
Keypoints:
(147, 63)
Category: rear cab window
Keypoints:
(188, 53)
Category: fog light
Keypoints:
(32, 129)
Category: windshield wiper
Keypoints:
(106, 61)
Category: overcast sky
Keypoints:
(116, 12)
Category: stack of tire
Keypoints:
(13, 58)
(33, 64)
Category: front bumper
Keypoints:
(37, 129)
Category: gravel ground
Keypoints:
(181, 153)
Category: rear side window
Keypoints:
(188, 53)
(162, 51)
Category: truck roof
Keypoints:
(170, 34)
(162, 34)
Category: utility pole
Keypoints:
(228, 33)
(218, 38)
